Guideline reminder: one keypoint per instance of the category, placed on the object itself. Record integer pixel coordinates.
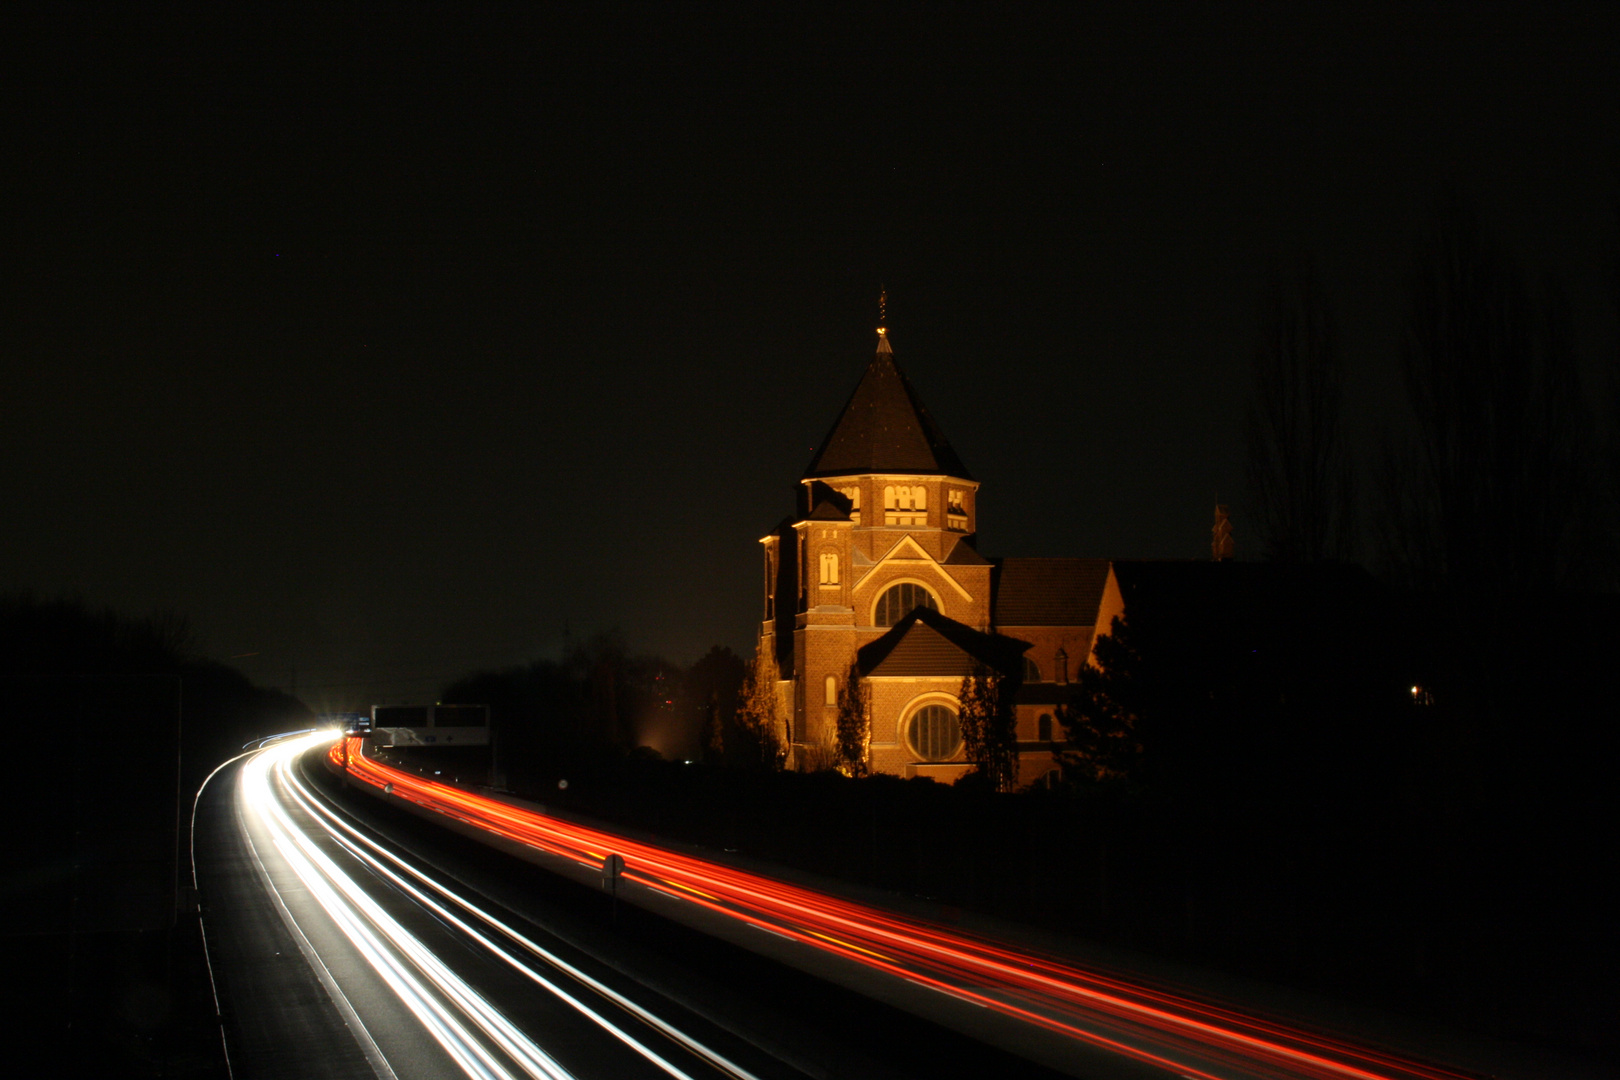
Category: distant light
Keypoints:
(562, 785)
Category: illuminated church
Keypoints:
(878, 572)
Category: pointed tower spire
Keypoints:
(883, 321)
(885, 428)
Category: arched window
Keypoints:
(770, 584)
(901, 600)
(829, 568)
(1043, 727)
(1061, 662)
(831, 697)
(1032, 673)
(905, 505)
(934, 732)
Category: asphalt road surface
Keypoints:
(351, 940)
(368, 921)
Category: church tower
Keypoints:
(885, 526)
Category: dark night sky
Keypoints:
(387, 346)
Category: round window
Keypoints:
(934, 733)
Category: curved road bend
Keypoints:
(1046, 1008)
(339, 953)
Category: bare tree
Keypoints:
(1496, 494)
(1300, 480)
(1608, 547)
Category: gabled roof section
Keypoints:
(926, 643)
(907, 551)
(885, 428)
(1048, 592)
(828, 504)
(826, 511)
(964, 554)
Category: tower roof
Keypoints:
(885, 428)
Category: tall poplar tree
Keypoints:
(1300, 482)
(854, 724)
(1496, 494)
(990, 725)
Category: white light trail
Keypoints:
(446, 1014)
(353, 840)
(452, 1012)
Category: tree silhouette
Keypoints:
(989, 725)
(854, 724)
(1609, 466)
(1494, 492)
(760, 744)
(1103, 717)
(710, 691)
(1300, 480)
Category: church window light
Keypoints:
(829, 568)
(934, 732)
(905, 504)
(956, 508)
(1043, 727)
(901, 600)
(770, 586)
(830, 697)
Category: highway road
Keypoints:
(339, 950)
(411, 952)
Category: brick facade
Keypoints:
(887, 517)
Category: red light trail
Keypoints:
(1185, 1036)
